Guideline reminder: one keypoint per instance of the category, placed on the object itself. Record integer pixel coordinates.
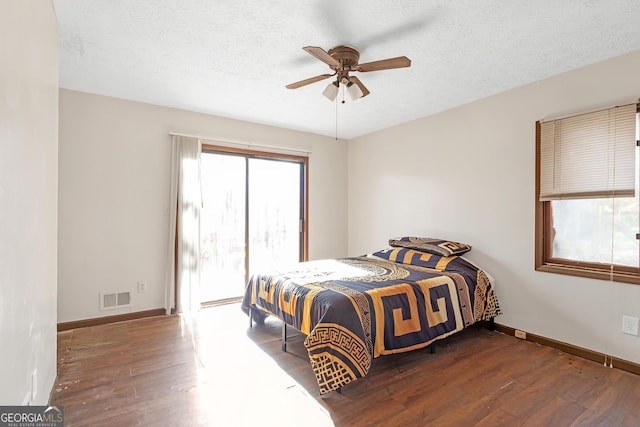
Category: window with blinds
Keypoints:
(590, 155)
(587, 206)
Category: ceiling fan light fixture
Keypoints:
(354, 91)
(331, 91)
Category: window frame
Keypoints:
(543, 244)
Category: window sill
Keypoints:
(623, 277)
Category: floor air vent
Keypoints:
(111, 300)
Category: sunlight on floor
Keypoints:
(238, 383)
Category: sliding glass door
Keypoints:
(252, 218)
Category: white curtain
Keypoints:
(183, 272)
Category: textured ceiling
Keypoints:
(234, 58)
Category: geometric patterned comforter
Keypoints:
(356, 309)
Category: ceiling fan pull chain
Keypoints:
(336, 119)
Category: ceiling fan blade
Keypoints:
(385, 64)
(362, 87)
(308, 81)
(322, 55)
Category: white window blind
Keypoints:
(590, 155)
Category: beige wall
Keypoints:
(439, 176)
(113, 195)
(28, 200)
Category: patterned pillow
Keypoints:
(412, 257)
(432, 246)
(453, 263)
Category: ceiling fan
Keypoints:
(343, 60)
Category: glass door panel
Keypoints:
(222, 226)
(274, 213)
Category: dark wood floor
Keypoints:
(213, 370)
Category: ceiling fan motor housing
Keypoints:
(348, 58)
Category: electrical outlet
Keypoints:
(630, 325)
(142, 287)
(521, 334)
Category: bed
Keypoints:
(353, 310)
